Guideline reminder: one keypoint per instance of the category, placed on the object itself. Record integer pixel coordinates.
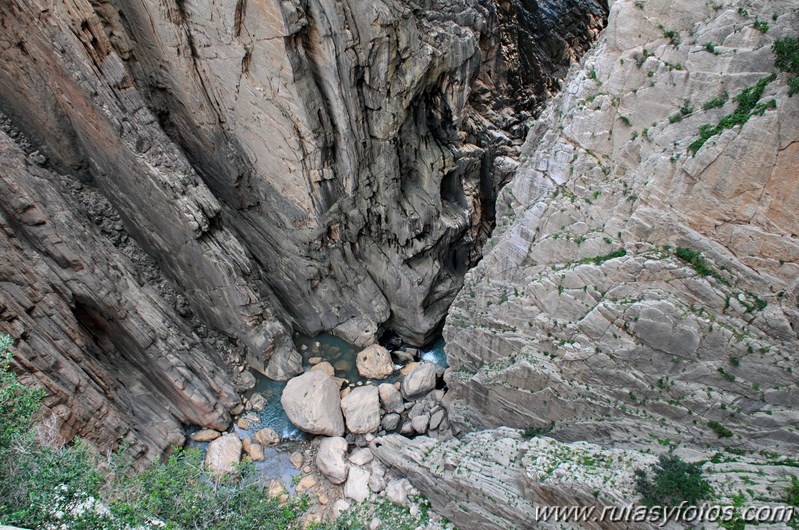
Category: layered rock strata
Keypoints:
(641, 285)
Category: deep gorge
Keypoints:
(196, 192)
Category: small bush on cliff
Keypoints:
(672, 481)
(47, 486)
(786, 53)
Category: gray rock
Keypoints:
(361, 456)
(361, 409)
(391, 398)
(357, 485)
(419, 382)
(331, 459)
(390, 421)
(312, 403)
(436, 417)
(397, 491)
(420, 423)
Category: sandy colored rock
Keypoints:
(374, 362)
(267, 437)
(223, 454)
(324, 367)
(205, 435)
(296, 459)
(361, 409)
(312, 403)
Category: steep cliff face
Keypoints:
(642, 285)
(117, 362)
(287, 165)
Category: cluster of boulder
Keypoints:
(320, 403)
(363, 477)
(226, 450)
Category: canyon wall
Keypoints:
(252, 169)
(641, 285)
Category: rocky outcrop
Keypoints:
(500, 479)
(308, 165)
(118, 363)
(496, 479)
(642, 284)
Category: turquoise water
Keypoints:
(435, 353)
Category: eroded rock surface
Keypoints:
(635, 290)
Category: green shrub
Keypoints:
(786, 52)
(534, 430)
(18, 403)
(41, 486)
(672, 481)
(748, 106)
(720, 430)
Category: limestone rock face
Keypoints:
(374, 362)
(640, 285)
(361, 409)
(312, 403)
(495, 479)
(224, 453)
(89, 329)
(311, 165)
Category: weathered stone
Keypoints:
(267, 437)
(312, 403)
(390, 398)
(258, 402)
(361, 409)
(420, 423)
(296, 459)
(357, 485)
(255, 452)
(419, 381)
(331, 459)
(205, 435)
(374, 362)
(361, 456)
(324, 367)
(397, 491)
(390, 421)
(223, 454)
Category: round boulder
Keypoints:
(374, 362)
(331, 459)
(312, 403)
(223, 454)
(420, 381)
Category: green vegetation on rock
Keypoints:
(787, 60)
(672, 481)
(748, 106)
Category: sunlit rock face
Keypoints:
(641, 286)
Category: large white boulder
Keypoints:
(312, 403)
(361, 409)
(331, 460)
(374, 362)
(419, 381)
